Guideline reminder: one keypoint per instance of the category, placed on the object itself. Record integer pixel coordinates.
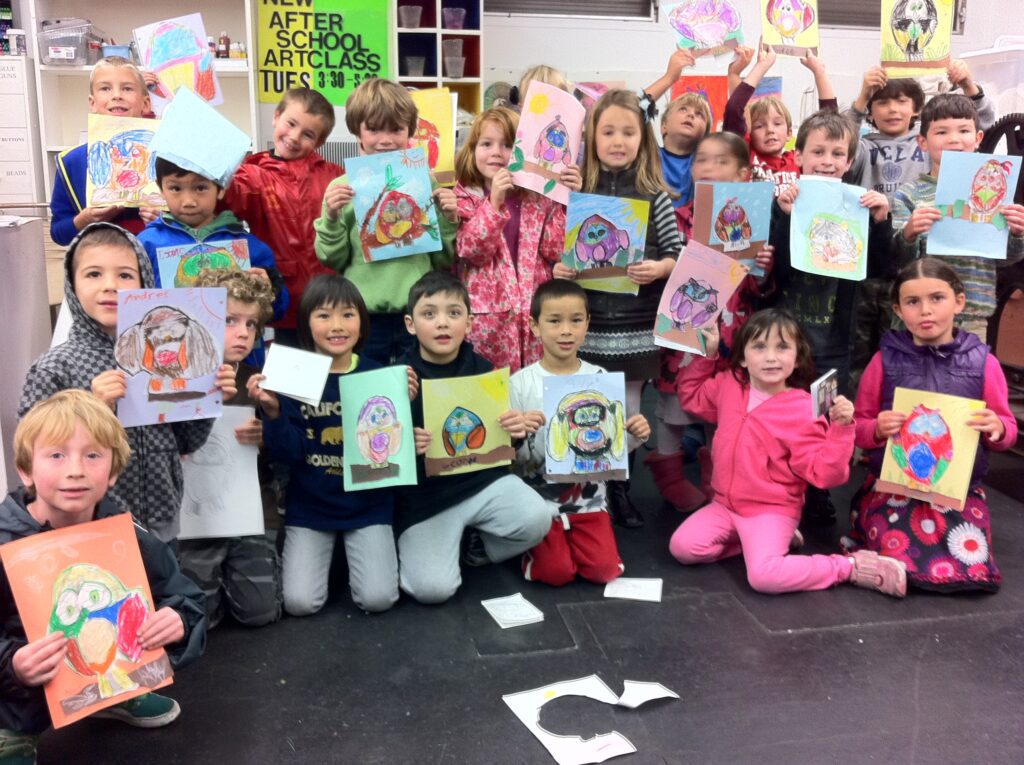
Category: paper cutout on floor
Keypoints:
(586, 428)
(971, 192)
(713, 87)
(88, 581)
(435, 131)
(170, 343)
(574, 750)
(462, 414)
(790, 27)
(121, 169)
(604, 235)
(393, 205)
(222, 489)
(548, 138)
(828, 232)
(734, 218)
(377, 420)
(633, 588)
(705, 26)
(916, 36)
(932, 456)
(512, 611)
(298, 374)
(179, 265)
(176, 51)
(823, 393)
(699, 287)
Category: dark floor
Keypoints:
(846, 676)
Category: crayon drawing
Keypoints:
(176, 51)
(462, 414)
(790, 27)
(916, 36)
(932, 455)
(603, 235)
(121, 168)
(586, 430)
(170, 343)
(393, 204)
(435, 131)
(971, 193)
(548, 138)
(705, 26)
(179, 265)
(88, 582)
(829, 230)
(713, 87)
(733, 218)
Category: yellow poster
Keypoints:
(121, 168)
(916, 36)
(932, 456)
(435, 132)
(790, 27)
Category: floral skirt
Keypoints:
(945, 550)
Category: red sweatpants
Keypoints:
(578, 543)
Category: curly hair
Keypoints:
(243, 287)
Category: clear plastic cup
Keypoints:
(454, 66)
(409, 16)
(453, 18)
(452, 48)
(414, 65)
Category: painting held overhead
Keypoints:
(586, 430)
(435, 131)
(790, 27)
(604, 235)
(121, 167)
(916, 36)
(828, 234)
(705, 26)
(176, 51)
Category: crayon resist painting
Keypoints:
(916, 36)
(586, 428)
(733, 218)
(604, 235)
(713, 88)
(828, 235)
(121, 170)
(435, 131)
(790, 27)
(705, 26)
(179, 266)
(176, 51)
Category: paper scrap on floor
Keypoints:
(634, 589)
(513, 611)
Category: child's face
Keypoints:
(191, 198)
(892, 116)
(242, 327)
(379, 140)
(69, 479)
(335, 331)
(682, 128)
(297, 133)
(714, 162)
(561, 327)
(824, 156)
(100, 271)
(116, 91)
(769, 133)
(770, 361)
(492, 150)
(440, 322)
(617, 138)
(929, 308)
(949, 135)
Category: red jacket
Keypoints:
(763, 459)
(280, 200)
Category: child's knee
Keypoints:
(430, 591)
(688, 551)
(302, 603)
(376, 601)
(764, 579)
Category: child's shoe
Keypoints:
(17, 748)
(879, 572)
(621, 507)
(474, 554)
(818, 508)
(150, 710)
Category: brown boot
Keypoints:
(667, 470)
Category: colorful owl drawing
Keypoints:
(429, 138)
(181, 59)
(789, 17)
(590, 426)
(732, 226)
(401, 220)
(101, 619)
(121, 168)
(378, 431)
(707, 22)
(988, 190)
(199, 257)
(831, 243)
(553, 144)
(914, 23)
(462, 432)
(693, 304)
(599, 242)
(923, 448)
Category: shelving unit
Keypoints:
(19, 135)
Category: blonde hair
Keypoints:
(649, 179)
(764, 106)
(243, 287)
(312, 102)
(466, 171)
(542, 73)
(54, 421)
(380, 103)
(118, 62)
(694, 101)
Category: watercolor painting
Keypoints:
(734, 218)
(462, 415)
(548, 138)
(705, 26)
(393, 204)
(603, 235)
(170, 342)
(916, 36)
(769, 86)
(790, 27)
(435, 131)
(932, 455)
(179, 266)
(121, 167)
(971, 193)
(377, 429)
(586, 428)
(588, 93)
(713, 87)
(700, 285)
(176, 51)
(828, 235)
(88, 581)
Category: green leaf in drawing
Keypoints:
(549, 186)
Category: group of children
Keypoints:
(495, 294)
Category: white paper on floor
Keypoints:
(574, 750)
(513, 611)
(634, 589)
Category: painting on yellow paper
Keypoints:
(435, 131)
(121, 168)
(916, 36)
(790, 27)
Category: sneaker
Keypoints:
(879, 572)
(475, 553)
(17, 748)
(150, 710)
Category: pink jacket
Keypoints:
(495, 281)
(763, 459)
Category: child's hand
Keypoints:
(109, 386)
(1014, 215)
(571, 177)
(38, 662)
(261, 274)
(534, 420)
(96, 215)
(414, 383)
(337, 196)
(988, 422)
(787, 197)
(647, 271)
(422, 438)
(513, 422)
(226, 381)
(765, 258)
(874, 80)
(765, 58)
(712, 339)
(841, 411)
(638, 427)
(501, 185)
(888, 424)
(960, 77)
(268, 401)
(161, 628)
(250, 433)
(562, 271)
(742, 56)
(921, 222)
(681, 59)
(877, 203)
(149, 214)
(447, 203)
(812, 62)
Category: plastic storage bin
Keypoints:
(1000, 71)
(69, 42)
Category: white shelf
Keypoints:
(225, 67)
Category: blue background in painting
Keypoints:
(755, 198)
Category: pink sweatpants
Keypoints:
(715, 532)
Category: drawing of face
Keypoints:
(587, 418)
(400, 220)
(988, 190)
(693, 304)
(553, 144)
(378, 432)
(732, 225)
(463, 430)
(923, 448)
(913, 25)
(589, 425)
(429, 137)
(183, 58)
(121, 167)
(599, 241)
(789, 17)
(831, 243)
(706, 22)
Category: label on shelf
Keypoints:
(62, 52)
(16, 178)
(13, 144)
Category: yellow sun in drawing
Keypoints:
(539, 103)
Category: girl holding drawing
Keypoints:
(942, 548)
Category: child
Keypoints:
(581, 540)
(72, 438)
(383, 116)
(333, 321)
(432, 516)
(100, 261)
(622, 161)
(507, 241)
(241, 573)
(541, 73)
(949, 122)
(278, 192)
(943, 549)
(767, 449)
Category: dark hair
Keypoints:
(434, 282)
(329, 290)
(165, 167)
(836, 127)
(312, 102)
(902, 86)
(555, 289)
(947, 106)
(761, 325)
(927, 268)
(735, 144)
(104, 235)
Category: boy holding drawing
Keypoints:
(69, 451)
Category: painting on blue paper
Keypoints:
(734, 218)
(971, 193)
(603, 236)
(828, 232)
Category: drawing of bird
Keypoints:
(429, 137)
(599, 241)
(693, 303)
(462, 431)
(789, 17)
(199, 257)
(378, 431)
(553, 143)
(732, 224)
(401, 220)
(101, 619)
(913, 24)
(923, 447)
(707, 22)
(988, 190)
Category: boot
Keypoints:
(818, 508)
(622, 509)
(704, 458)
(667, 470)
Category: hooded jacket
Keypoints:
(151, 484)
(23, 709)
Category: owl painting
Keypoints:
(832, 245)
(923, 448)
(401, 220)
(599, 242)
(378, 432)
(199, 257)
(122, 170)
(693, 304)
(914, 23)
(429, 137)
(732, 226)
(789, 17)
(707, 22)
(553, 144)
(988, 190)
(462, 432)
